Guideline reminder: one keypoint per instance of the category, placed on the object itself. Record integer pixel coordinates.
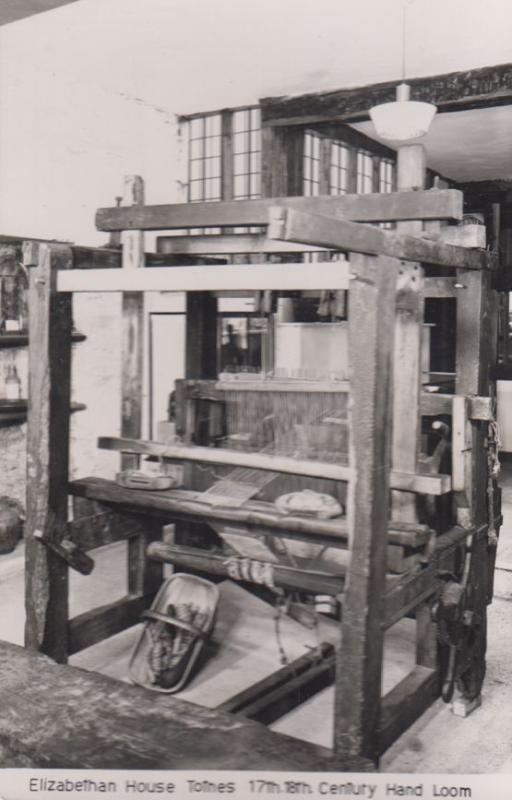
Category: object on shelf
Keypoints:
(313, 504)
(136, 479)
(12, 384)
(176, 627)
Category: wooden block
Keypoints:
(289, 224)
(463, 236)
(462, 707)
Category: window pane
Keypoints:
(240, 164)
(196, 190)
(196, 128)
(196, 148)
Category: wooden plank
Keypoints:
(405, 703)
(257, 517)
(359, 667)
(442, 204)
(240, 277)
(461, 444)
(49, 356)
(405, 481)
(324, 653)
(453, 91)
(289, 224)
(299, 688)
(434, 404)
(228, 244)
(67, 718)
(290, 578)
(100, 623)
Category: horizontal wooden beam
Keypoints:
(443, 204)
(407, 482)
(434, 404)
(256, 517)
(236, 243)
(405, 703)
(288, 687)
(285, 577)
(104, 528)
(235, 458)
(276, 385)
(289, 224)
(454, 91)
(246, 277)
(431, 403)
(100, 623)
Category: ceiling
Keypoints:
(467, 145)
(13, 10)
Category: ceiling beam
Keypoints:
(454, 91)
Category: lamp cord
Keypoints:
(405, 5)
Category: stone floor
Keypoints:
(245, 649)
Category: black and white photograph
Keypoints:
(256, 399)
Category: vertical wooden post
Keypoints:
(46, 575)
(473, 363)
(411, 170)
(371, 335)
(132, 341)
(201, 335)
(142, 577)
(476, 320)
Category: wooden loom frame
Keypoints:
(365, 723)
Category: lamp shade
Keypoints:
(403, 119)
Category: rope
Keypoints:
(245, 569)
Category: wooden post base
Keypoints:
(462, 707)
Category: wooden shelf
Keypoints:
(21, 339)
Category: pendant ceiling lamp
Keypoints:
(404, 119)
